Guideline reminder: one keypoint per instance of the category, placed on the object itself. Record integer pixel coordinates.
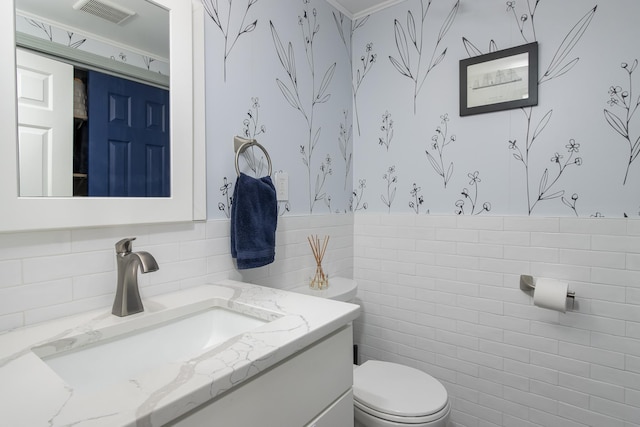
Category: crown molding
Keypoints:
(362, 13)
(340, 8)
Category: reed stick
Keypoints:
(319, 280)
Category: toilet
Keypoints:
(387, 394)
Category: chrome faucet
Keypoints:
(127, 294)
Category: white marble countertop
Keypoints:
(32, 394)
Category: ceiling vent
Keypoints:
(105, 9)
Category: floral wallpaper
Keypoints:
(363, 114)
(280, 72)
(571, 155)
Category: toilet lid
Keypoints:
(398, 390)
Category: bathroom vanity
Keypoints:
(224, 354)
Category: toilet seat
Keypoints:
(399, 393)
(401, 420)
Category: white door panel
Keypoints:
(33, 169)
(45, 125)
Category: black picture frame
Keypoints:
(499, 80)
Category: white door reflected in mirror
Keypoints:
(45, 127)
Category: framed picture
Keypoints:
(499, 80)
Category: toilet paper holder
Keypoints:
(527, 284)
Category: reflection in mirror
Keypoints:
(188, 185)
(93, 99)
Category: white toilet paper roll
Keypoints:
(551, 294)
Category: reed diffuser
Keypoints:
(319, 280)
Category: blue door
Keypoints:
(128, 138)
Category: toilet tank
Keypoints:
(340, 289)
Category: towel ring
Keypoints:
(241, 144)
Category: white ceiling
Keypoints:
(358, 8)
(147, 31)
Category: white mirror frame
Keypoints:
(187, 201)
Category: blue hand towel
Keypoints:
(254, 217)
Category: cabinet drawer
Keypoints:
(339, 414)
(289, 394)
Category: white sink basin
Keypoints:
(121, 358)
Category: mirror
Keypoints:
(187, 201)
(104, 131)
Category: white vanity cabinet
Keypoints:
(311, 388)
(293, 368)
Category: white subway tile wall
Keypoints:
(50, 274)
(439, 293)
(442, 294)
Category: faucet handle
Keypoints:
(125, 246)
